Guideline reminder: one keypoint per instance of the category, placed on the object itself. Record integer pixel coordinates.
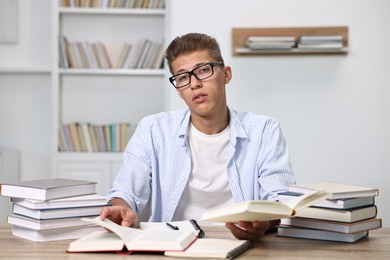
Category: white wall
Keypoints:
(25, 116)
(333, 109)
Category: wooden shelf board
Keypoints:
(239, 36)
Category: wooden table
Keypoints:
(376, 246)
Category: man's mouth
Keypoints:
(199, 98)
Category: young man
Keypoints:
(203, 157)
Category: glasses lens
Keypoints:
(204, 71)
(182, 79)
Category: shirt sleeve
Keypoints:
(275, 170)
(133, 180)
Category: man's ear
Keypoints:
(228, 74)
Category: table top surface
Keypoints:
(375, 246)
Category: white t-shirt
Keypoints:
(208, 187)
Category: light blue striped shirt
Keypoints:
(157, 162)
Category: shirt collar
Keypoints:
(236, 128)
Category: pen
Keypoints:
(197, 228)
(172, 226)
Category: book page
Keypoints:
(214, 248)
(125, 233)
(307, 200)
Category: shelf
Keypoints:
(83, 156)
(20, 70)
(239, 36)
(114, 72)
(111, 11)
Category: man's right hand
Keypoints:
(120, 213)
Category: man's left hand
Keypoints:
(250, 230)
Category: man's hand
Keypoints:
(251, 230)
(120, 213)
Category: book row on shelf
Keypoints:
(86, 137)
(146, 54)
(347, 216)
(147, 4)
(302, 42)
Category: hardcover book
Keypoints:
(342, 215)
(214, 248)
(336, 226)
(347, 203)
(298, 232)
(71, 202)
(126, 239)
(261, 210)
(337, 190)
(47, 189)
(57, 213)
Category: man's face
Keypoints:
(207, 97)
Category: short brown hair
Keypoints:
(192, 42)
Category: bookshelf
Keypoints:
(102, 96)
(240, 35)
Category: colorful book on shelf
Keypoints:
(299, 232)
(127, 239)
(47, 189)
(337, 190)
(342, 215)
(335, 226)
(336, 204)
(71, 202)
(263, 210)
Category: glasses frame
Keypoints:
(212, 64)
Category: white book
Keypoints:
(37, 224)
(212, 248)
(261, 210)
(337, 190)
(334, 204)
(54, 234)
(131, 239)
(47, 189)
(320, 38)
(298, 232)
(336, 226)
(71, 202)
(57, 213)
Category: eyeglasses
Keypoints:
(202, 72)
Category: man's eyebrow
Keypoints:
(195, 66)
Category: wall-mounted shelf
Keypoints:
(240, 35)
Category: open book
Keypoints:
(214, 248)
(261, 210)
(127, 239)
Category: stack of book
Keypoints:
(346, 216)
(258, 43)
(320, 42)
(51, 209)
